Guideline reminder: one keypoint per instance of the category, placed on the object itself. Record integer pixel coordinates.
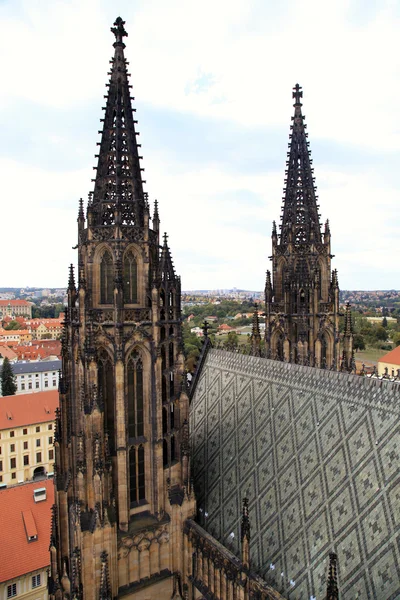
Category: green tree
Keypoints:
(232, 340)
(384, 322)
(12, 325)
(359, 343)
(380, 333)
(8, 385)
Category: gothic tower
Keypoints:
(122, 480)
(302, 300)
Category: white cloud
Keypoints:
(230, 60)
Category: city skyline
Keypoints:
(214, 123)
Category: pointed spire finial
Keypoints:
(71, 278)
(245, 523)
(155, 215)
(297, 94)
(81, 214)
(332, 590)
(205, 328)
(165, 238)
(255, 338)
(119, 31)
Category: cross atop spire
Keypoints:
(119, 31)
(297, 94)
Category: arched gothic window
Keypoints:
(130, 279)
(106, 279)
(135, 396)
(136, 475)
(106, 391)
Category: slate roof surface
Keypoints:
(35, 367)
(27, 409)
(17, 555)
(317, 453)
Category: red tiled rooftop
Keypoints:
(14, 303)
(392, 357)
(27, 409)
(17, 554)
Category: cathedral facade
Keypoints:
(292, 466)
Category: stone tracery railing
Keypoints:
(218, 573)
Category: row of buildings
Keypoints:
(26, 492)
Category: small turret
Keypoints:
(245, 534)
(255, 338)
(332, 589)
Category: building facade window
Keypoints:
(13, 463)
(12, 433)
(130, 279)
(51, 454)
(22, 386)
(1, 465)
(30, 385)
(50, 440)
(13, 475)
(135, 396)
(36, 581)
(37, 428)
(50, 427)
(25, 445)
(11, 590)
(26, 460)
(106, 389)
(24, 432)
(46, 383)
(106, 279)
(37, 385)
(38, 457)
(136, 475)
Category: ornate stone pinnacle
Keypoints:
(119, 31)
(297, 94)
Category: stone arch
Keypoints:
(280, 279)
(277, 344)
(324, 347)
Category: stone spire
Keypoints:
(332, 590)
(245, 533)
(348, 363)
(255, 338)
(300, 218)
(118, 191)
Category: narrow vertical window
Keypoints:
(132, 475)
(106, 279)
(135, 396)
(173, 448)
(137, 474)
(165, 453)
(106, 392)
(130, 279)
(141, 486)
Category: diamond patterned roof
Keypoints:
(317, 454)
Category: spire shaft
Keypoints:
(118, 192)
(300, 218)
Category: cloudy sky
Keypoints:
(212, 82)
